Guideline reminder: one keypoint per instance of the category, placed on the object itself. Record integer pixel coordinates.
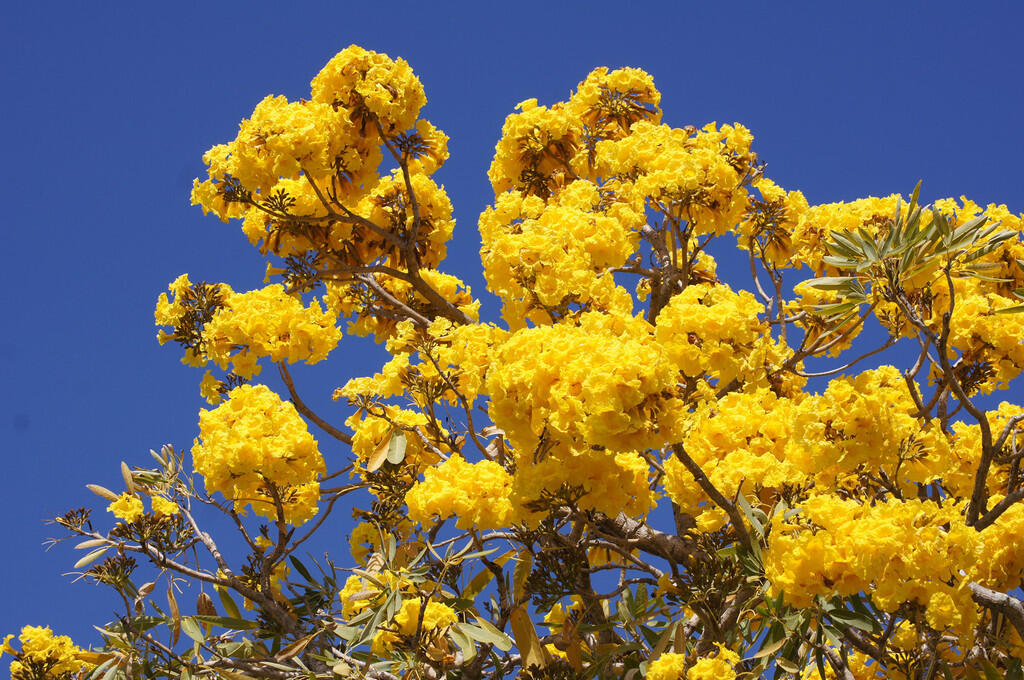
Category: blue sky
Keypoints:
(108, 109)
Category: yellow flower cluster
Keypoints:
(711, 329)
(958, 475)
(611, 483)
(768, 227)
(268, 323)
(367, 590)
(1004, 258)
(540, 146)
(333, 134)
(869, 421)
(43, 652)
(407, 622)
(170, 310)
(484, 495)
(981, 335)
(694, 175)
(742, 440)
(253, 447)
(477, 494)
(541, 256)
(672, 666)
(465, 354)
(895, 551)
(371, 431)
(668, 666)
(604, 382)
(359, 82)
(389, 205)
(304, 178)
(163, 507)
(722, 666)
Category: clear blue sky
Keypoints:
(108, 107)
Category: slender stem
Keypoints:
(721, 501)
(301, 407)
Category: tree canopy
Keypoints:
(630, 474)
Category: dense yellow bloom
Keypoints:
(368, 84)
(895, 551)
(352, 299)
(465, 353)
(697, 176)
(981, 335)
(768, 227)
(867, 420)
(268, 323)
(610, 101)
(253, 446)
(965, 455)
(600, 383)
(610, 483)
(589, 389)
(373, 431)
(389, 205)
(534, 145)
(169, 312)
(709, 328)
(543, 256)
(127, 507)
(43, 652)
(476, 494)
(739, 441)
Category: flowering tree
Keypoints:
(506, 473)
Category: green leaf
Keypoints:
(1010, 310)
(940, 221)
(524, 564)
(91, 557)
(102, 669)
(396, 449)
(831, 282)
(870, 249)
(770, 648)
(846, 242)
(993, 243)
(191, 628)
(1014, 670)
(228, 603)
(993, 279)
(848, 618)
(462, 639)
(226, 622)
(840, 262)
(787, 665)
(484, 631)
(301, 568)
(991, 672)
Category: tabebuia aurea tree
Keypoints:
(631, 473)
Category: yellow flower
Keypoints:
(163, 507)
(126, 507)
